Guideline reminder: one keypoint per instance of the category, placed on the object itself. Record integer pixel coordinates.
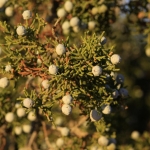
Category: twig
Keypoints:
(81, 121)
(2, 137)
(32, 138)
(2, 142)
(46, 136)
(76, 129)
(53, 28)
(56, 22)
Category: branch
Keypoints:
(2, 142)
(2, 137)
(46, 135)
(32, 138)
(53, 28)
(77, 131)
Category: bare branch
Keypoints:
(32, 138)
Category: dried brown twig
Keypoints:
(2, 137)
(46, 136)
(32, 138)
(76, 130)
